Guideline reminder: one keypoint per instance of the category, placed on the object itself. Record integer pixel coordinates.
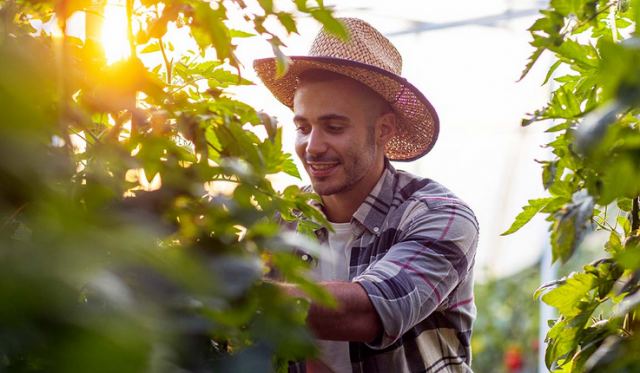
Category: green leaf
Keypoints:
(577, 54)
(545, 33)
(624, 204)
(561, 341)
(223, 78)
(240, 34)
(267, 5)
(613, 245)
(289, 167)
(560, 127)
(158, 28)
(571, 224)
(528, 212)
(567, 7)
(562, 187)
(593, 128)
(549, 172)
(619, 177)
(302, 5)
(629, 257)
(209, 30)
(282, 61)
(564, 103)
(618, 71)
(635, 6)
(545, 287)
(152, 47)
(552, 69)
(331, 24)
(532, 60)
(625, 224)
(291, 268)
(565, 298)
(288, 22)
(238, 143)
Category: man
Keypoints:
(403, 247)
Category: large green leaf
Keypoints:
(545, 32)
(566, 297)
(528, 212)
(629, 257)
(594, 126)
(331, 24)
(567, 7)
(571, 225)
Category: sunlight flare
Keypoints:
(114, 31)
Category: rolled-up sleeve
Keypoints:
(434, 253)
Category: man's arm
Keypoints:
(355, 318)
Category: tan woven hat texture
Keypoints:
(370, 58)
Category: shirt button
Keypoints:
(376, 229)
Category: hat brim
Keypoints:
(418, 123)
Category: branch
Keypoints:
(635, 220)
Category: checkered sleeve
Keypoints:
(433, 254)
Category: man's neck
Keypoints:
(340, 207)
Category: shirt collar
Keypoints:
(374, 209)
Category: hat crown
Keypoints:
(365, 45)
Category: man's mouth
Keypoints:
(322, 169)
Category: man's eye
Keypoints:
(335, 128)
(302, 129)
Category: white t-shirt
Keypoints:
(334, 266)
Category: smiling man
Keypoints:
(400, 255)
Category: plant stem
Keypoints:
(635, 220)
(167, 64)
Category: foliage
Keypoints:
(593, 180)
(505, 334)
(135, 203)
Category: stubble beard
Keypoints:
(354, 172)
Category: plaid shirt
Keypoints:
(413, 253)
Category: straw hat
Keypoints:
(371, 59)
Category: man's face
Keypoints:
(335, 134)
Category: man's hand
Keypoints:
(354, 319)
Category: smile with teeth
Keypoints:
(322, 169)
(322, 166)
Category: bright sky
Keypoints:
(466, 64)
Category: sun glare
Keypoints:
(114, 31)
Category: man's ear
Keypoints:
(386, 127)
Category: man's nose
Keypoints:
(316, 142)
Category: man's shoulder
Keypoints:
(411, 188)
